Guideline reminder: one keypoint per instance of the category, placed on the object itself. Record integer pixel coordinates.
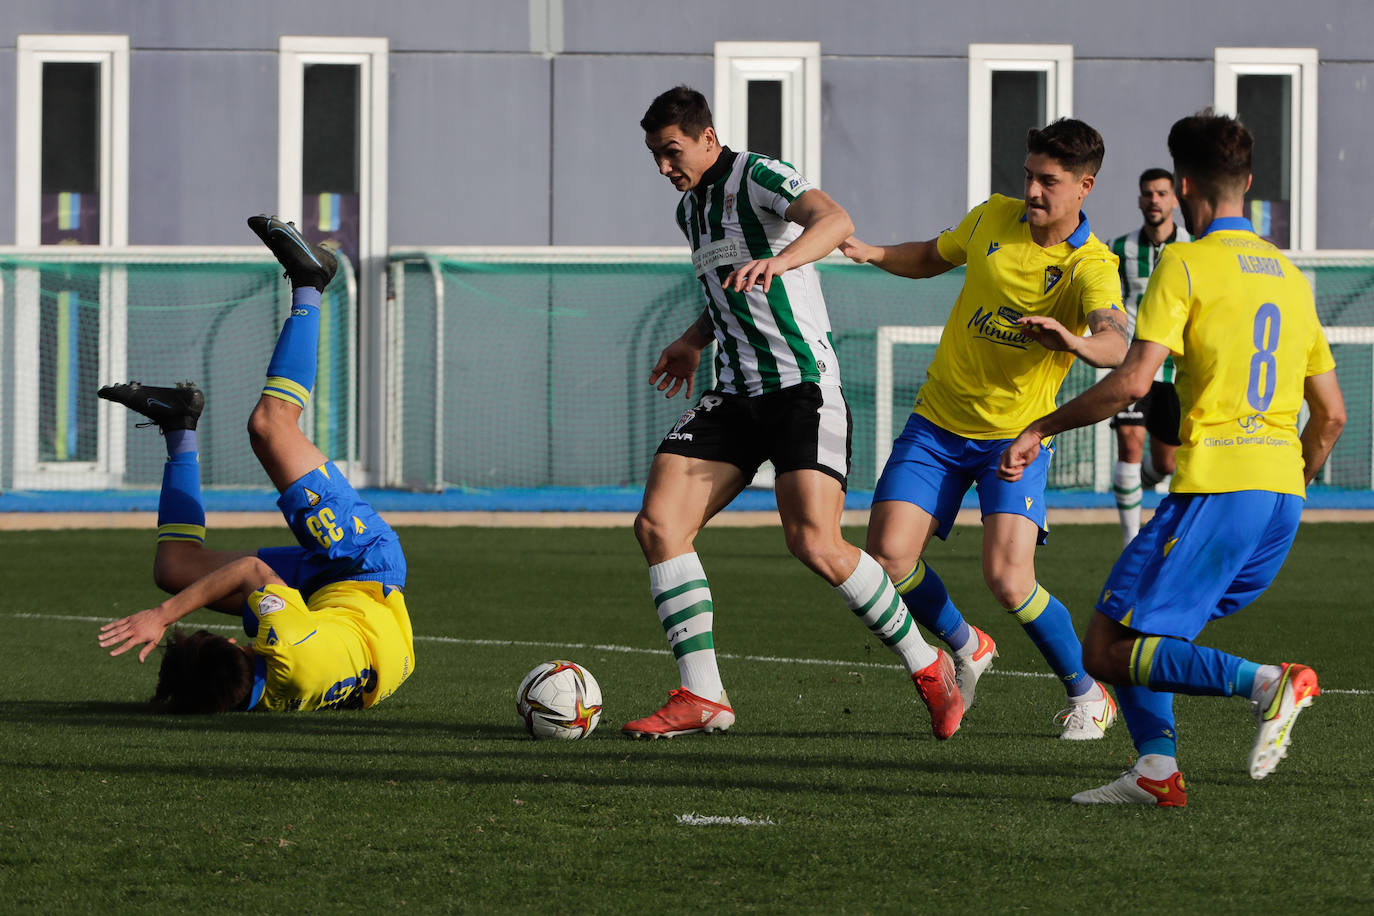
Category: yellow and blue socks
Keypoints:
(683, 599)
(870, 595)
(1048, 624)
(291, 371)
(1167, 663)
(180, 509)
(1149, 716)
(928, 600)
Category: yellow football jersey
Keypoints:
(988, 379)
(349, 647)
(1242, 325)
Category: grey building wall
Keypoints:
(504, 132)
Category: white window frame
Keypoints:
(1301, 65)
(111, 53)
(371, 57)
(797, 65)
(1055, 61)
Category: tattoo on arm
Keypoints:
(1108, 320)
(703, 325)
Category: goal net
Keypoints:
(515, 370)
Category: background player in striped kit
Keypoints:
(1138, 253)
(755, 226)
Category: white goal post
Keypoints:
(889, 336)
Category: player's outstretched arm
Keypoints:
(1127, 383)
(241, 577)
(1324, 425)
(677, 364)
(916, 260)
(824, 225)
(1104, 348)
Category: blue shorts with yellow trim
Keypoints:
(1203, 556)
(933, 468)
(341, 537)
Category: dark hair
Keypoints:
(1213, 150)
(1155, 174)
(202, 673)
(682, 106)
(1070, 142)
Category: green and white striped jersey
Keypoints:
(764, 342)
(1137, 256)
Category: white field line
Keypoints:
(629, 650)
(713, 820)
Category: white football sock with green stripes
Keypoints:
(684, 608)
(870, 595)
(1126, 487)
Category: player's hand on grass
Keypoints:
(860, 252)
(1024, 449)
(1048, 332)
(142, 629)
(676, 366)
(755, 273)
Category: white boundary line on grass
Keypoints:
(629, 650)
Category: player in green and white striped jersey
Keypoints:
(755, 226)
(1158, 411)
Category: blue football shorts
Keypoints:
(341, 537)
(933, 468)
(1203, 556)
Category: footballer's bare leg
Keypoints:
(811, 503)
(680, 497)
(284, 452)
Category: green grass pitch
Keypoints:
(436, 801)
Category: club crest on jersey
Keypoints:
(311, 496)
(729, 206)
(1052, 276)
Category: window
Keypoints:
(1274, 93)
(1011, 88)
(72, 175)
(332, 166)
(71, 188)
(768, 100)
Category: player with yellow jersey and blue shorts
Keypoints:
(1036, 280)
(1241, 324)
(327, 619)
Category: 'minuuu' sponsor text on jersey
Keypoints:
(764, 341)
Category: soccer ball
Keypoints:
(559, 699)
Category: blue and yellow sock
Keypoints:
(291, 371)
(1149, 717)
(180, 510)
(927, 599)
(1048, 624)
(1166, 663)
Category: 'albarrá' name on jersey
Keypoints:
(764, 341)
